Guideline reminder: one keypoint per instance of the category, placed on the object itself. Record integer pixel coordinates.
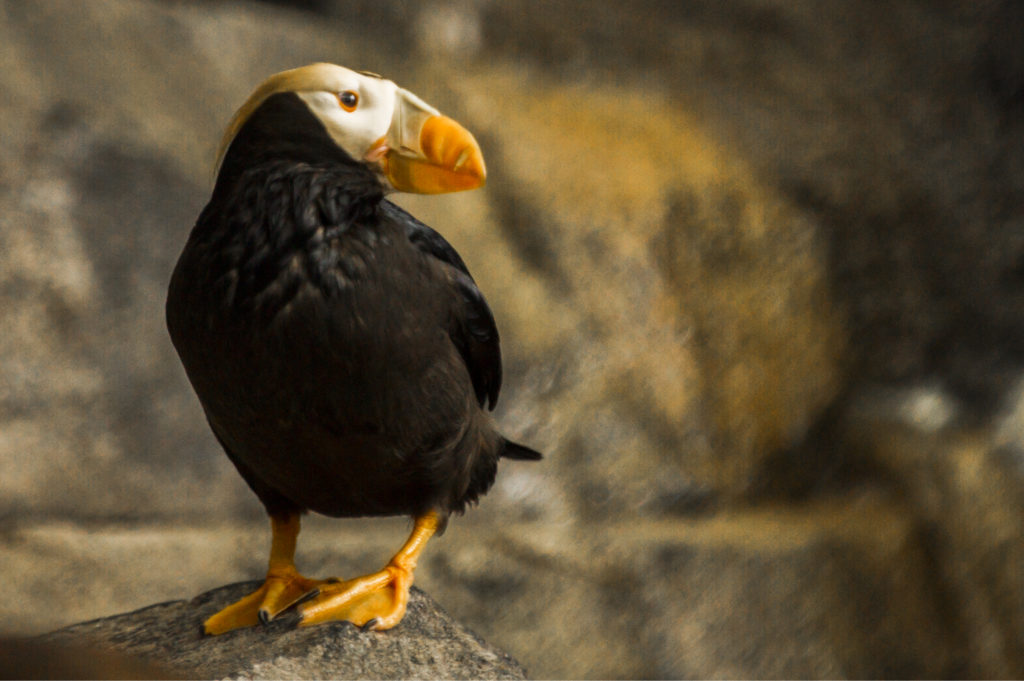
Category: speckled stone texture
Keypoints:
(428, 644)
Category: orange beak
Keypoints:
(450, 160)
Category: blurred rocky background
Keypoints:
(758, 267)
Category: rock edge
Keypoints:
(427, 644)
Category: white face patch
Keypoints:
(354, 128)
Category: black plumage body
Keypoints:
(341, 351)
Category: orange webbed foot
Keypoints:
(284, 588)
(375, 602)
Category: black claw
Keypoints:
(369, 626)
(264, 616)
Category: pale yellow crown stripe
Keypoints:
(293, 80)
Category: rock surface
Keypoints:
(427, 645)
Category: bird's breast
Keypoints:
(261, 301)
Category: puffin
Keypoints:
(344, 357)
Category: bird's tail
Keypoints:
(513, 450)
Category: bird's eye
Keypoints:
(348, 100)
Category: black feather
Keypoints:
(473, 329)
(514, 450)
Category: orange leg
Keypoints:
(376, 601)
(283, 587)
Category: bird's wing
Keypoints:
(476, 336)
(472, 329)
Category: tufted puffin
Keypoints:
(343, 355)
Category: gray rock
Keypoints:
(428, 644)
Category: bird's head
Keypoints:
(401, 137)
